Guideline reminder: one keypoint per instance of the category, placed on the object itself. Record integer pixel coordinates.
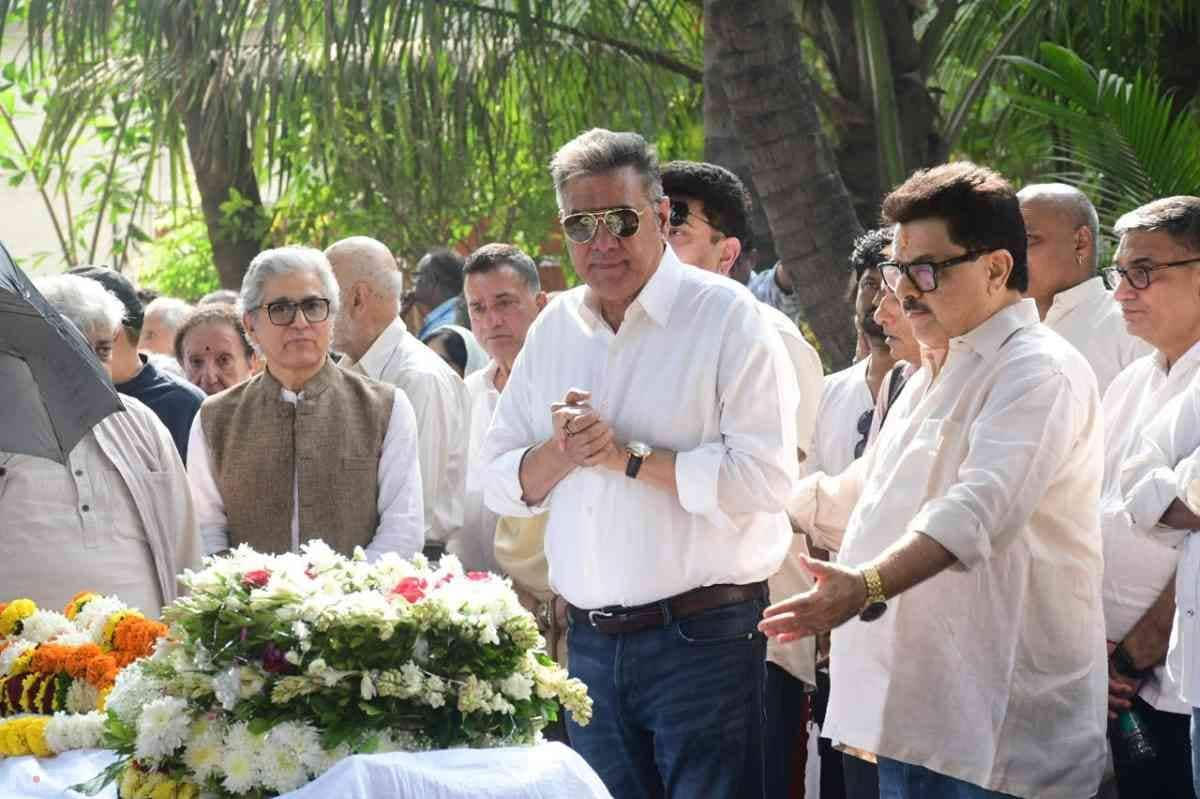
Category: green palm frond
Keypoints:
(1123, 138)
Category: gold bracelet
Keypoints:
(874, 583)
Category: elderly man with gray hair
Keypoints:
(377, 344)
(652, 412)
(1063, 232)
(163, 316)
(304, 449)
(116, 517)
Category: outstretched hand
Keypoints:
(837, 596)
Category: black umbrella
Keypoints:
(56, 389)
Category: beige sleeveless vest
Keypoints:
(331, 440)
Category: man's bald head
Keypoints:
(1071, 205)
(364, 259)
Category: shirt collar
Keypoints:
(1160, 362)
(489, 375)
(987, 338)
(376, 358)
(1089, 291)
(656, 297)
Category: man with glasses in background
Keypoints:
(304, 449)
(652, 411)
(968, 652)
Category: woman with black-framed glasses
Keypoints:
(304, 449)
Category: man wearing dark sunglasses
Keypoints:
(975, 509)
(652, 411)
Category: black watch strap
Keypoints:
(1122, 663)
(633, 465)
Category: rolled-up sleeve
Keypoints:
(1027, 429)
(821, 504)
(1163, 464)
(752, 469)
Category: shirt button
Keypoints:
(3, 471)
(86, 508)
(1191, 613)
(79, 472)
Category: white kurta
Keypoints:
(1088, 317)
(845, 397)
(695, 368)
(440, 401)
(993, 671)
(1138, 564)
(117, 518)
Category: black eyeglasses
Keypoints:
(923, 274)
(621, 222)
(864, 430)
(1139, 276)
(283, 312)
(680, 213)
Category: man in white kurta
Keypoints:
(1063, 230)
(116, 518)
(378, 344)
(973, 548)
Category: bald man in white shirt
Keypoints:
(1063, 232)
(377, 344)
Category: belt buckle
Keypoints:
(592, 614)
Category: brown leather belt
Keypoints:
(618, 619)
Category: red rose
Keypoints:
(256, 579)
(479, 575)
(411, 588)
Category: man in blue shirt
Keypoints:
(439, 282)
(173, 399)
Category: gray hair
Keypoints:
(367, 259)
(491, 257)
(88, 305)
(170, 310)
(1178, 217)
(600, 151)
(285, 261)
(1074, 202)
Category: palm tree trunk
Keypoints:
(771, 95)
(722, 146)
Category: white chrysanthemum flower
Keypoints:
(82, 697)
(243, 752)
(162, 728)
(73, 637)
(66, 732)
(13, 651)
(45, 625)
(227, 686)
(95, 613)
(203, 756)
(293, 750)
(134, 689)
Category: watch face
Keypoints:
(638, 448)
(873, 611)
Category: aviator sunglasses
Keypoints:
(621, 222)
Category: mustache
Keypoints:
(871, 327)
(909, 305)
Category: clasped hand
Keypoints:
(580, 434)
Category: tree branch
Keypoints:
(656, 57)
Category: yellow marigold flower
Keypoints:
(35, 736)
(21, 664)
(17, 610)
(166, 790)
(110, 626)
(149, 785)
(131, 780)
(102, 699)
(187, 791)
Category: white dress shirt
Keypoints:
(844, 399)
(992, 671)
(1167, 467)
(695, 368)
(1087, 316)
(797, 658)
(475, 544)
(115, 518)
(399, 493)
(442, 406)
(1138, 564)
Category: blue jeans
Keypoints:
(905, 781)
(678, 710)
(1196, 751)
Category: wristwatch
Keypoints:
(876, 602)
(638, 452)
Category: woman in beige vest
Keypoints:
(304, 449)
